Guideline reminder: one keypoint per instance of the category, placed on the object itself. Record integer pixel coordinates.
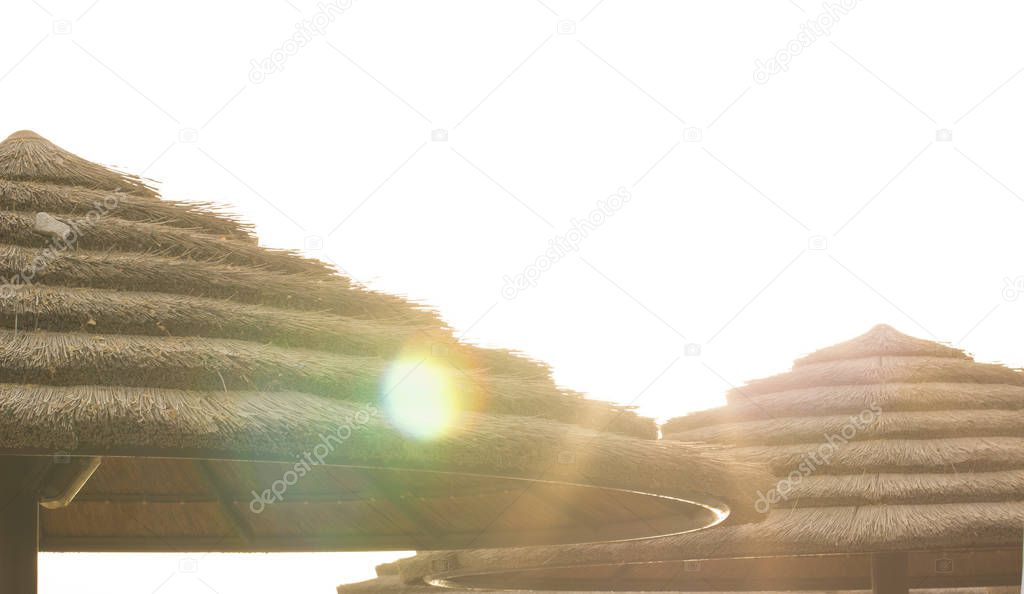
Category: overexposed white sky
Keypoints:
(890, 145)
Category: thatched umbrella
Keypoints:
(248, 399)
(899, 464)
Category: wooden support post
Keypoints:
(19, 523)
(889, 573)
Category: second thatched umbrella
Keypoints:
(899, 464)
(248, 399)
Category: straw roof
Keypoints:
(206, 369)
(880, 444)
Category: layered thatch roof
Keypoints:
(205, 368)
(885, 443)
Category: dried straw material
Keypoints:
(202, 363)
(27, 156)
(884, 370)
(108, 233)
(104, 311)
(848, 400)
(917, 425)
(132, 271)
(882, 341)
(212, 375)
(884, 443)
(69, 201)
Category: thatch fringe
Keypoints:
(108, 233)
(30, 196)
(103, 311)
(145, 272)
(882, 341)
(836, 400)
(173, 362)
(872, 425)
(27, 156)
(900, 455)
(882, 528)
(212, 364)
(108, 311)
(152, 314)
(277, 425)
(880, 370)
(893, 489)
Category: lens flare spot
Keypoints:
(419, 398)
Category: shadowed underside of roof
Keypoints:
(884, 443)
(449, 493)
(205, 369)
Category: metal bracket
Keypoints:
(64, 480)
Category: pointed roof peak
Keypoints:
(883, 328)
(27, 156)
(882, 340)
(25, 135)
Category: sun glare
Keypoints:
(419, 397)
